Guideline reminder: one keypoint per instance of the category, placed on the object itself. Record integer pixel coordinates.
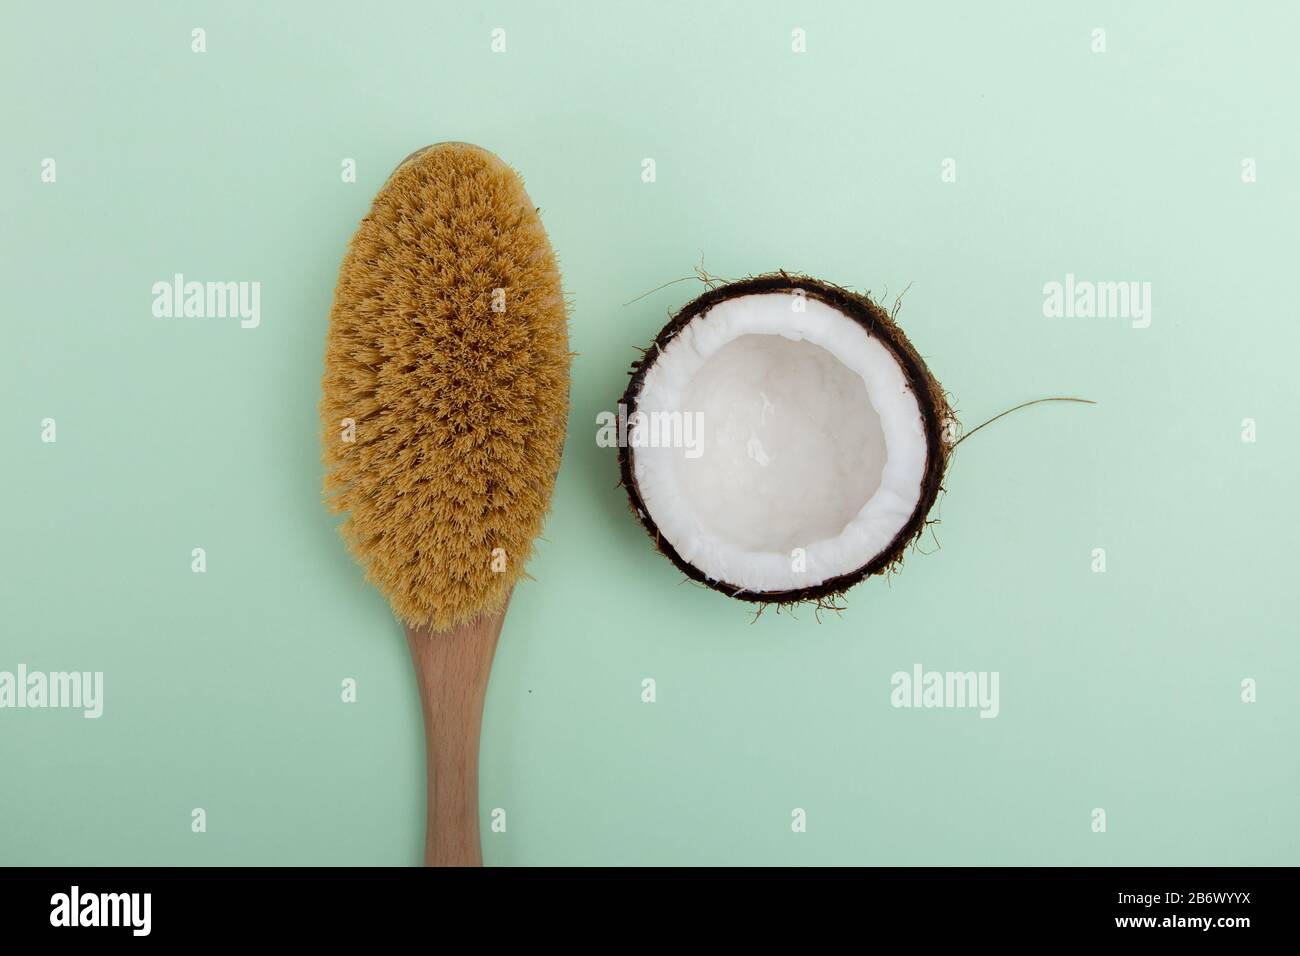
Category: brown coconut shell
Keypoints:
(936, 414)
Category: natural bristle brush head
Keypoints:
(446, 386)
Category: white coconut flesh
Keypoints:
(812, 450)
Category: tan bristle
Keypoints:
(448, 349)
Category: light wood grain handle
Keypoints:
(452, 669)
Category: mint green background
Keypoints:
(1118, 690)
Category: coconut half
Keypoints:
(784, 440)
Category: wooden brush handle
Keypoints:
(452, 668)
